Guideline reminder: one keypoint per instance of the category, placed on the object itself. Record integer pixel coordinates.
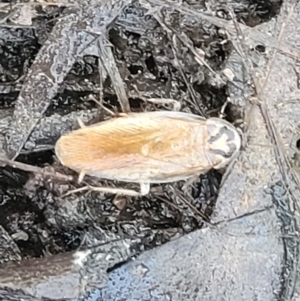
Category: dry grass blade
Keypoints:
(108, 61)
(191, 91)
(289, 180)
(34, 169)
(156, 13)
(249, 33)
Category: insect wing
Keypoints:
(163, 142)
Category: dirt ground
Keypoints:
(55, 67)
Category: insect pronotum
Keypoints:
(150, 147)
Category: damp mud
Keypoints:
(227, 235)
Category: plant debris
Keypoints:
(65, 61)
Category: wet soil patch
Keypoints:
(152, 65)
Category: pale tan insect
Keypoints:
(150, 147)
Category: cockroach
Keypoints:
(149, 147)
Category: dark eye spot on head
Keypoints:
(221, 132)
(225, 154)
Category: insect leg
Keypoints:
(80, 177)
(165, 101)
(189, 182)
(145, 188)
(120, 191)
(80, 122)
